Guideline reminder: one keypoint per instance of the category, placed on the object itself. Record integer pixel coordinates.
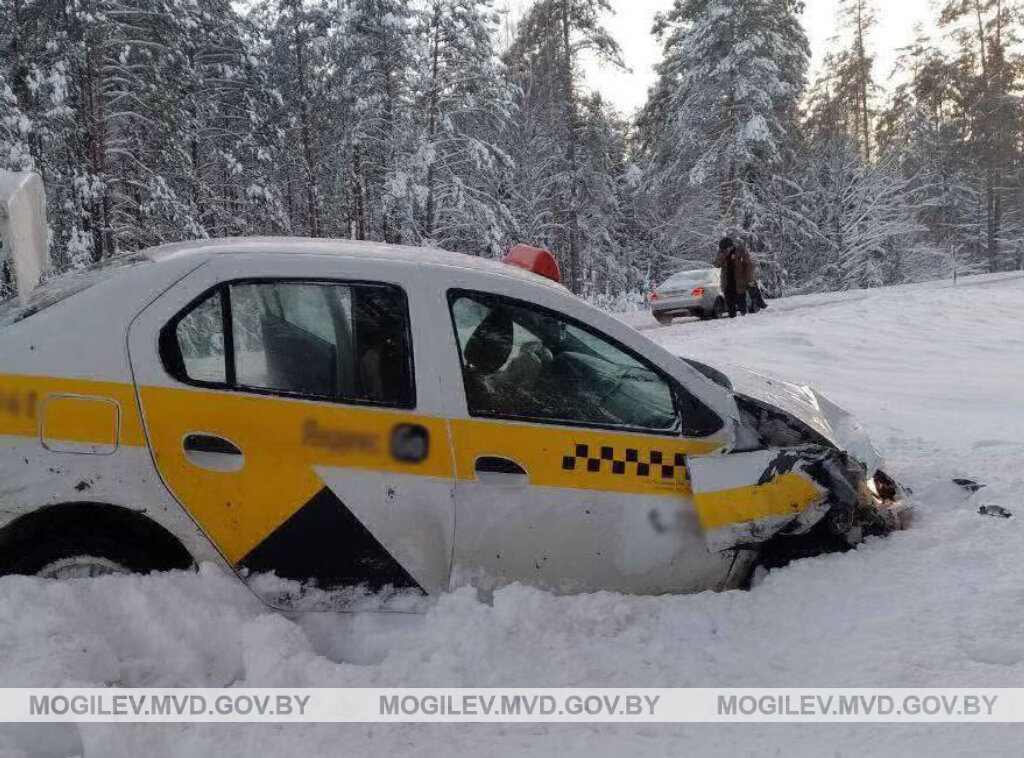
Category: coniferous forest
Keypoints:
(449, 123)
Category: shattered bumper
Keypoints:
(804, 477)
(807, 494)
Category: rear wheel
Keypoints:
(719, 308)
(81, 567)
(662, 319)
(84, 540)
(74, 556)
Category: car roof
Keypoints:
(72, 282)
(419, 256)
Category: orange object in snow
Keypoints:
(534, 259)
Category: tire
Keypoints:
(66, 555)
(718, 311)
(781, 551)
(663, 319)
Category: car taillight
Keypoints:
(698, 292)
(655, 297)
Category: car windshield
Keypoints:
(690, 279)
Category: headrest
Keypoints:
(490, 345)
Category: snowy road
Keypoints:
(937, 376)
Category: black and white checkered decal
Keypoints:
(604, 459)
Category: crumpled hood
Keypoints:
(809, 406)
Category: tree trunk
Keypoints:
(863, 83)
(312, 210)
(99, 208)
(358, 230)
(575, 274)
(428, 222)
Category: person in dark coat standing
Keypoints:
(737, 274)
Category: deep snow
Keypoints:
(936, 374)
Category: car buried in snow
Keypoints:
(345, 414)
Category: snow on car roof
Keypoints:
(428, 256)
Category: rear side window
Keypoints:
(200, 339)
(323, 340)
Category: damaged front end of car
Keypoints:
(802, 480)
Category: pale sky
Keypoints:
(631, 26)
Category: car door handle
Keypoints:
(213, 453)
(491, 469)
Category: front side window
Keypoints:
(346, 342)
(519, 361)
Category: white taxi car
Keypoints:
(349, 414)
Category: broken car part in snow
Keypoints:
(789, 503)
(790, 490)
(996, 511)
(968, 485)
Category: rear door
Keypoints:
(289, 411)
(571, 452)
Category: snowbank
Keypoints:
(934, 373)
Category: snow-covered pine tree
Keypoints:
(853, 66)
(376, 46)
(138, 114)
(218, 168)
(545, 140)
(535, 139)
(929, 132)
(296, 111)
(15, 128)
(14, 156)
(863, 218)
(464, 108)
(601, 165)
(987, 34)
(859, 203)
(54, 57)
(721, 119)
(143, 69)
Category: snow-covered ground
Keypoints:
(936, 373)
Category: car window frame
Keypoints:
(674, 386)
(173, 363)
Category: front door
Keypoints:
(283, 414)
(571, 458)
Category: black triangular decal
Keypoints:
(325, 543)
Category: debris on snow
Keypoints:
(996, 511)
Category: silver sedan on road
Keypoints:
(689, 293)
